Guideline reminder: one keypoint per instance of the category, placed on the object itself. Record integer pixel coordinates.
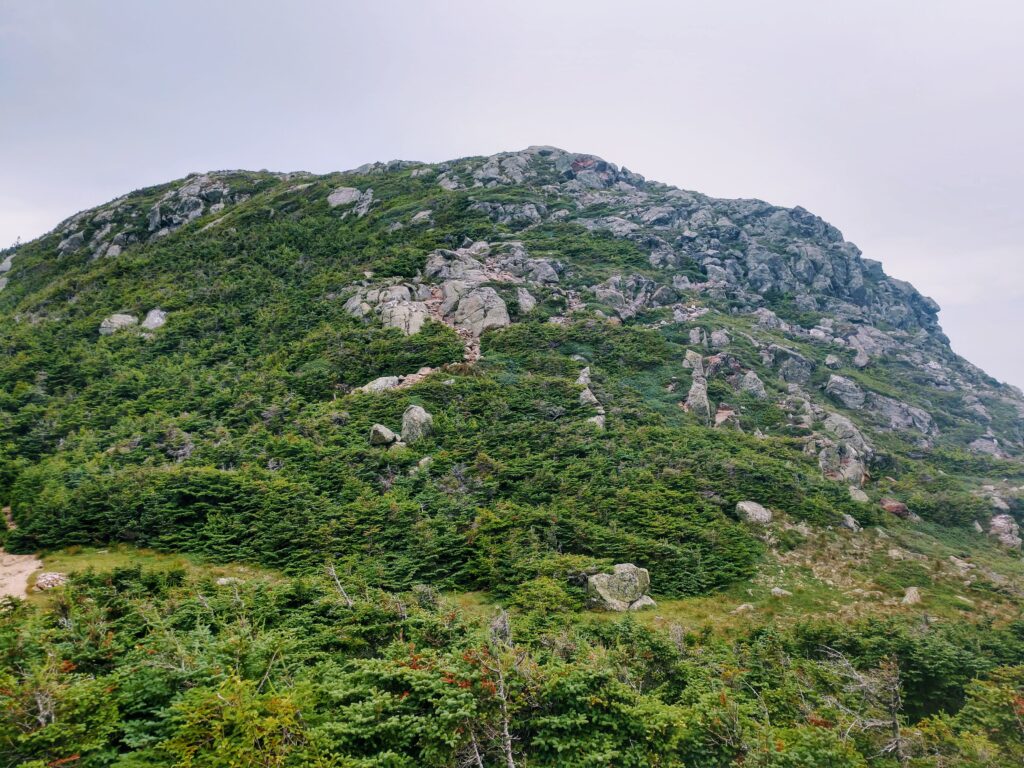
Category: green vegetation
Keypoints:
(155, 667)
(254, 584)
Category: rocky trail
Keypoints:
(15, 570)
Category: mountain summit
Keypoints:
(418, 433)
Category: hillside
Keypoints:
(408, 398)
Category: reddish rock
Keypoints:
(894, 507)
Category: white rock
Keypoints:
(753, 512)
(50, 580)
(154, 319)
(642, 603)
(911, 596)
(117, 322)
(381, 384)
(343, 196)
(780, 592)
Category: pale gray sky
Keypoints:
(901, 122)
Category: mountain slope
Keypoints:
(503, 374)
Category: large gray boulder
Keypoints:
(751, 384)
(900, 416)
(846, 391)
(753, 512)
(620, 590)
(481, 310)
(71, 243)
(526, 301)
(406, 316)
(381, 435)
(417, 423)
(399, 305)
(793, 367)
(343, 196)
(849, 522)
(719, 339)
(697, 401)
(462, 264)
(117, 322)
(987, 444)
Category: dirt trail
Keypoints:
(15, 570)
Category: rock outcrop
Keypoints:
(846, 391)
(1004, 529)
(479, 310)
(752, 385)
(360, 201)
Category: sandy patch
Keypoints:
(15, 571)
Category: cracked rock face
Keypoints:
(481, 310)
(344, 197)
(846, 391)
(899, 415)
(397, 306)
(207, 193)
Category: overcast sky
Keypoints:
(900, 122)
